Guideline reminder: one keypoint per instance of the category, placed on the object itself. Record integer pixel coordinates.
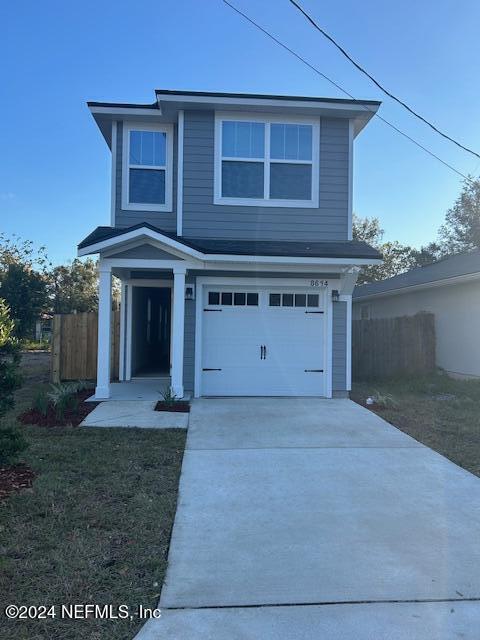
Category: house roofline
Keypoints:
(144, 230)
(443, 282)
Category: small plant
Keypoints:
(62, 396)
(385, 400)
(12, 443)
(41, 403)
(168, 397)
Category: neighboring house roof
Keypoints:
(443, 271)
(347, 249)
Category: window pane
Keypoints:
(226, 298)
(312, 300)
(304, 142)
(213, 297)
(242, 179)
(147, 186)
(290, 141)
(252, 299)
(291, 181)
(135, 147)
(148, 148)
(300, 300)
(160, 150)
(277, 141)
(287, 300)
(243, 139)
(239, 299)
(275, 299)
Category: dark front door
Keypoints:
(151, 331)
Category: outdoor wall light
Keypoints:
(335, 295)
(189, 292)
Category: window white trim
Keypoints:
(221, 117)
(142, 126)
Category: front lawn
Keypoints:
(438, 411)
(94, 528)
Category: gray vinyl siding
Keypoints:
(339, 347)
(202, 218)
(189, 344)
(145, 252)
(166, 220)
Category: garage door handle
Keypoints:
(211, 369)
(264, 352)
(313, 311)
(213, 309)
(261, 352)
(313, 370)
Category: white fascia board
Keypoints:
(419, 287)
(289, 260)
(142, 232)
(124, 111)
(267, 102)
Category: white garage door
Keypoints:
(262, 342)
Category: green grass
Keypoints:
(439, 411)
(95, 527)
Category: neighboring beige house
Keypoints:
(450, 289)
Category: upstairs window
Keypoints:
(266, 162)
(147, 168)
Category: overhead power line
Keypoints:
(340, 88)
(376, 83)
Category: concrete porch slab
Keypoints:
(141, 414)
(378, 621)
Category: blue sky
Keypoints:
(54, 169)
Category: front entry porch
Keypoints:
(151, 334)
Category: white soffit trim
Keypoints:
(419, 287)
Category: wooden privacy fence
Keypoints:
(393, 346)
(74, 346)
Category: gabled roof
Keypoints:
(207, 246)
(450, 268)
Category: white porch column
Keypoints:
(102, 390)
(178, 330)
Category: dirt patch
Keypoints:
(15, 478)
(72, 418)
(176, 407)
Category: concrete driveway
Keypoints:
(308, 518)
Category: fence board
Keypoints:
(386, 347)
(75, 343)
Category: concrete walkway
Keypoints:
(309, 518)
(134, 413)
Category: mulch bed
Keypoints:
(72, 417)
(15, 478)
(176, 407)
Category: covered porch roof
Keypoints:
(104, 239)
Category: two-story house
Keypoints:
(231, 233)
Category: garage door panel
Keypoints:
(231, 348)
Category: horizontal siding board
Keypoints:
(328, 222)
(339, 346)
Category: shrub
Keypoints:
(168, 397)
(41, 403)
(10, 379)
(12, 443)
(62, 396)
